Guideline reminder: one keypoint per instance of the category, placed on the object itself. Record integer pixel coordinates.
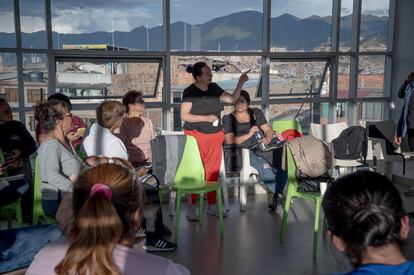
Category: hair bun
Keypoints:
(189, 69)
(374, 224)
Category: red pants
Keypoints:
(210, 146)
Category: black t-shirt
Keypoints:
(204, 103)
(14, 135)
(231, 125)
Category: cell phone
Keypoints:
(80, 132)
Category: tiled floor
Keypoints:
(251, 242)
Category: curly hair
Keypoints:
(47, 113)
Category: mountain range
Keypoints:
(237, 31)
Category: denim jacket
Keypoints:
(401, 130)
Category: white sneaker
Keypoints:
(212, 209)
(192, 213)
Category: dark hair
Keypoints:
(47, 113)
(132, 97)
(100, 223)
(363, 209)
(2, 100)
(109, 112)
(246, 95)
(196, 69)
(62, 97)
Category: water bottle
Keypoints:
(259, 136)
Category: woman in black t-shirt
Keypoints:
(200, 110)
(240, 127)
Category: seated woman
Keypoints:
(136, 131)
(102, 141)
(16, 142)
(107, 201)
(240, 127)
(58, 162)
(74, 136)
(366, 221)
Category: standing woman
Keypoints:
(58, 162)
(200, 110)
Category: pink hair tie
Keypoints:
(101, 188)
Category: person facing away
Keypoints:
(366, 221)
(58, 162)
(107, 200)
(136, 131)
(200, 111)
(74, 136)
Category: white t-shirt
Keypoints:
(100, 141)
(128, 260)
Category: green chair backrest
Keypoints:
(37, 191)
(190, 171)
(283, 125)
(1, 162)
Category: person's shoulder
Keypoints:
(146, 120)
(15, 124)
(227, 118)
(257, 111)
(147, 263)
(190, 90)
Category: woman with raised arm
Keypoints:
(367, 222)
(200, 110)
(107, 200)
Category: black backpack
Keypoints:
(352, 143)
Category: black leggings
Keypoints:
(410, 133)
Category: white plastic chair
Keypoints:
(248, 176)
(387, 128)
(329, 132)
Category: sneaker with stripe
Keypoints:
(158, 244)
(141, 233)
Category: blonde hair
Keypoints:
(109, 112)
(100, 224)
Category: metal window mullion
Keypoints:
(389, 60)
(335, 35)
(19, 59)
(51, 66)
(265, 58)
(167, 114)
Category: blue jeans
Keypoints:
(275, 181)
(19, 246)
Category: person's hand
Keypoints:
(72, 136)
(211, 118)
(253, 130)
(397, 140)
(244, 77)
(73, 178)
(265, 140)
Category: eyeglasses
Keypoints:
(93, 161)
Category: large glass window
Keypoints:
(107, 25)
(343, 76)
(32, 24)
(298, 111)
(35, 77)
(299, 78)
(7, 31)
(216, 25)
(301, 26)
(94, 81)
(371, 76)
(345, 25)
(374, 25)
(8, 78)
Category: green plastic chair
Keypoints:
(189, 179)
(293, 193)
(14, 206)
(37, 210)
(81, 153)
(282, 125)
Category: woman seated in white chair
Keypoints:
(240, 128)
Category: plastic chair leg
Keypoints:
(316, 227)
(200, 207)
(285, 216)
(177, 216)
(225, 194)
(242, 196)
(220, 209)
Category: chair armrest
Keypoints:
(247, 170)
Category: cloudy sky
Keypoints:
(80, 16)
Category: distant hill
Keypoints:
(240, 30)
